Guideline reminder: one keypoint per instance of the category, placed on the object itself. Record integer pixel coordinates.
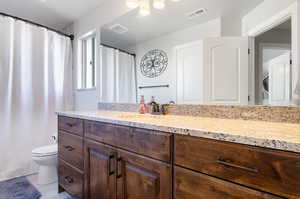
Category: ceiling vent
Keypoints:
(118, 28)
(196, 13)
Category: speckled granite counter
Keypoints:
(282, 136)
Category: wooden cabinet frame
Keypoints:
(118, 174)
(100, 171)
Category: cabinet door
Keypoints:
(189, 61)
(280, 78)
(226, 70)
(100, 167)
(140, 177)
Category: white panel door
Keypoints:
(280, 80)
(226, 70)
(189, 59)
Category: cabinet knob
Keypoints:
(69, 148)
(69, 180)
(71, 124)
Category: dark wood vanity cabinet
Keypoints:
(100, 171)
(153, 144)
(113, 173)
(71, 125)
(266, 170)
(100, 160)
(141, 177)
(195, 185)
(70, 179)
(107, 161)
(70, 156)
(71, 149)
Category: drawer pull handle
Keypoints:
(110, 171)
(71, 124)
(69, 180)
(69, 148)
(223, 162)
(119, 168)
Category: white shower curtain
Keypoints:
(35, 80)
(117, 76)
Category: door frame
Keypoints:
(290, 12)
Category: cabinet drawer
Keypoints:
(70, 179)
(193, 185)
(72, 125)
(145, 142)
(272, 171)
(70, 149)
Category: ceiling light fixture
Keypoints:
(145, 7)
(159, 4)
(132, 3)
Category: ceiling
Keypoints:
(53, 13)
(172, 18)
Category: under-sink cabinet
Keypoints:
(115, 173)
(109, 161)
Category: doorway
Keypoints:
(273, 65)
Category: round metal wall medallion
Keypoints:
(154, 63)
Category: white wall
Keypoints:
(86, 99)
(167, 44)
(109, 10)
(263, 12)
(231, 26)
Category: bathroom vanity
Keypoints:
(213, 143)
(108, 154)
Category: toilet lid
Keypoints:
(46, 150)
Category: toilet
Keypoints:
(46, 158)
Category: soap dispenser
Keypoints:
(142, 106)
(153, 106)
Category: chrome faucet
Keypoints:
(172, 102)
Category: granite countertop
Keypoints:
(282, 136)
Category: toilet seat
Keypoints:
(45, 151)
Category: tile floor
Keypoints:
(48, 191)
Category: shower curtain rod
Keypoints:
(124, 51)
(36, 24)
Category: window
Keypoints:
(87, 68)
